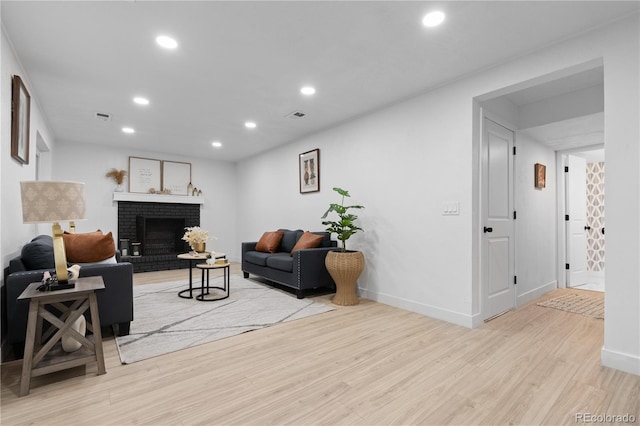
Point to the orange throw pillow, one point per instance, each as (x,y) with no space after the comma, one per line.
(307,241)
(89,247)
(269,242)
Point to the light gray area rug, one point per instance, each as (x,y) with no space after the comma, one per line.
(165,323)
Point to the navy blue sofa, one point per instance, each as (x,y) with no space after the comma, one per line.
(115,303)
(304,270)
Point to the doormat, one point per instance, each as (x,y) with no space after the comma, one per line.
(588,303)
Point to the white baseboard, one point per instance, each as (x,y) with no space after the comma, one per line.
(628,363)
(453,317)
(530,295)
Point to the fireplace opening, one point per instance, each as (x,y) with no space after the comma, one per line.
(161,235)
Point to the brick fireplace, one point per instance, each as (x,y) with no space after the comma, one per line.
(158,228)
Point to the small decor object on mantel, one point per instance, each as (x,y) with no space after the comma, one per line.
(118,176)
(196,237)
(344,266)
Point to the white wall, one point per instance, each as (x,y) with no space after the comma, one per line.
(536,230)
(392,163)
(89,163)
(14,232)
(622,141)
(406,161)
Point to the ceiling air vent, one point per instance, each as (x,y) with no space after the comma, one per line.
(296,115)
(103,116)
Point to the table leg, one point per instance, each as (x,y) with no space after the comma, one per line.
(97,333)
(190,289)
(27,360)
(190,279)
(202,284)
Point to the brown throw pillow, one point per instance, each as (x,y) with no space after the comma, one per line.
(306,241)
(89,247)
(269,242)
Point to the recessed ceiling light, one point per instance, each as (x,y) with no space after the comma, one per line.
(166,42)
(141,101)
(216,144)
(250,125)
(128,130)
(308,90)
(433,19)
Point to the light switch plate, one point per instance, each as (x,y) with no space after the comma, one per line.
(451,209)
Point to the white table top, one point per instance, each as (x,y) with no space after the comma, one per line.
(201,256)
(212,265)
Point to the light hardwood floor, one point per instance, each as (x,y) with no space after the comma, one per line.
(370,364)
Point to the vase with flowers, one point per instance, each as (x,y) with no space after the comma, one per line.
(196,237)
(118,176)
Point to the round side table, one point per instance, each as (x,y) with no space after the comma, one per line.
(195,257)
(226,273)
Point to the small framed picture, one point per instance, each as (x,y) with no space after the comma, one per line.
(21,108)
(309,171)
(540,175)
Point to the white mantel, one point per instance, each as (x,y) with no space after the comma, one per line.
(156,198)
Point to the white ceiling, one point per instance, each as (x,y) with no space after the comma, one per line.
(239,61)
(578,132)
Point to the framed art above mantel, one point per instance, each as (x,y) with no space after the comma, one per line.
(176,177)
(144,174)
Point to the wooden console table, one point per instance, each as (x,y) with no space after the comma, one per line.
(51,357)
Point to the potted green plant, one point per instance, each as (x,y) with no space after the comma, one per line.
(344,266)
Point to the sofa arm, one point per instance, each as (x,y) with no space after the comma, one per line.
(115,303)
(250,246)
(310,267)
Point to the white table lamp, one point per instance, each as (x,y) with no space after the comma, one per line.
(51,201)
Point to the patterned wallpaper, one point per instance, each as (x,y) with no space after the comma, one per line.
(595,216)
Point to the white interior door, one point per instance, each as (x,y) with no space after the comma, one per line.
(498,261)
(576,190)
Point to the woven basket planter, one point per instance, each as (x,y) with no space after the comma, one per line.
(345,268)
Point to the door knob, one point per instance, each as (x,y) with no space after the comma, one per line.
(486,229)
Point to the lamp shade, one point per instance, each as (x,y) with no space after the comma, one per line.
(52,201)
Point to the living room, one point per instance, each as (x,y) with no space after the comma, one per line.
(403,161)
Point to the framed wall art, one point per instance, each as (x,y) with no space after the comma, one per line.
(540,175)
(176,176)
(20,111)
(309,171)
(144,174)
